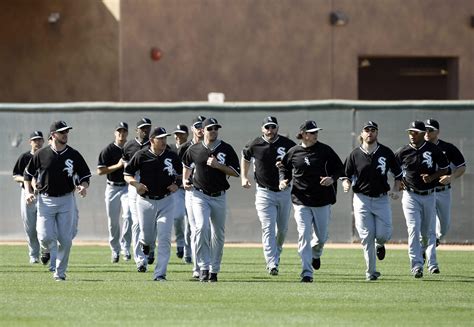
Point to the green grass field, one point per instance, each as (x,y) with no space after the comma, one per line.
(99,293)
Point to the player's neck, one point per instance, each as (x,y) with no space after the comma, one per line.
(58,147)
(369,147)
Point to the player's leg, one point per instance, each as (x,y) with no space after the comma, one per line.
(147,211)
(126,238)
(283,216)
(164,226)
(443,213)
(383,220)
(322,215)
(201,212)
(46,227)
(179,227)
(192,227)
(265,203)
(28,216)
(304,218)
(138,255)
(112,208)
(428,231)
(218,218)
(64,224)
(365,225)
(412,211)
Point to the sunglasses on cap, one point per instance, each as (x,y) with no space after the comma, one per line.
(212,128)
(270,126)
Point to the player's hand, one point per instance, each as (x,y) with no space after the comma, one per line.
(120,163)
(188,186)
(212,161)
(283,185)
(326,181)
(141,188)
(173,188)
(426,178)
(246,183)
(445,179)
(278,164)
(30,198)
(346,185)
(394,195)
(81,190)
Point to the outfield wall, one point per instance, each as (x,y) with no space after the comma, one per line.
(93,126)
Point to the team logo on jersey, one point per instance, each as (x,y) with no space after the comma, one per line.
(221,158)
(382,165)
(169,167)
(281,153)
(428,159)
(306,161)
(69,167)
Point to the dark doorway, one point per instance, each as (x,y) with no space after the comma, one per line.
(408,78)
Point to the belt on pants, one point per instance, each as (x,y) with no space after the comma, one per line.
(442,188)
(116,183)
(156,197)
(214,195)
(268,189)
(55,195)
(376,196)
(426,192)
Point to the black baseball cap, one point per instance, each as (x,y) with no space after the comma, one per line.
(432,123)
(417,126)
(309,126)
(143,122)
(59,126)
(370,124)
(181,128)
(122,125)
(269,121)
(198,120)
(210,122)
(159,132)
(36,135)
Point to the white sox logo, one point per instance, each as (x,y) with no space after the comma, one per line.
(382,165)
(169,167)
(281,153)
(221,158)
(306,161)
(69,167)
(428,160)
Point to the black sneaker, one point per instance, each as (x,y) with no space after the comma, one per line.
(381,252)
(204,276)
(115,258)
(437,242)
(316,263)
(141,268)
(45,258)
(180,252)
(435,270)
(128,257)
(418,273)
(213,278)
(188,260)
(371,278)
(273,272)
(151,258)
(160,279)
(307,279)
(145,249)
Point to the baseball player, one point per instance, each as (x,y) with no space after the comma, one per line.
(55,167)
(159,169)
(110,163)
(129,149)
(181,136)
(423,164)
(366,170)
(273,206)
(190,224)
(213,161)
(314,168)
(443,188)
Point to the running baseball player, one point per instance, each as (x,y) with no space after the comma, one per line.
(213,161)
(443,189)
(110,163)
(181,136)
(423,164)
(314,168)
(366,169)
(190,224)
(55,167)
(159,170)
(129,149)
(273,206)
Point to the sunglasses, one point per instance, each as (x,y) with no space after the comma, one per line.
(212,128)
(270,126)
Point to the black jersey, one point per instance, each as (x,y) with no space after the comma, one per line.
(184,147)
(21,163)
(427,159)
(306,166)
(452,153)
(266,154)
(209,179)
(111,155)
(368,171)
(157,172)
(58,172)
(131,147)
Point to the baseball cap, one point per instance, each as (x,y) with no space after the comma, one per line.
(59,126)
(198,121)
(309,126)
(36,135)
(122,125)
(269,121)
(417,126)
(210,122)
(432,123)
(143,122)
(370,124)
(159,132)
(181,128)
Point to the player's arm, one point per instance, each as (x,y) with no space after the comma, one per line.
(245,167)
(285,171)
(18,178)
(457,172)
(212,161)
(104,170)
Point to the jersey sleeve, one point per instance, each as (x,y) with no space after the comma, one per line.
(349,169)
(233,161)
(83,172)
(455,156)
(188,158)
(394,165)
(285,169)
(336,168)
(133,165)
(31,168)
(18,170)
(247,153)
(440,158)
(102,161)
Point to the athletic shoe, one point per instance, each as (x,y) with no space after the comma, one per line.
(307,279)
(204,276)
(273,272)
(316,263)
(141,268)
(151,258)
(381,252)
(434,270)
(127,257)
(418,273)
(371,278)
(45,258)
(115,258)
(145,248)
(52,269)
(160,279)
(377,274)
(180,252)
(34,260)
(213,278)
(188,260)
(60,279)
(195,274)
(437,242)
